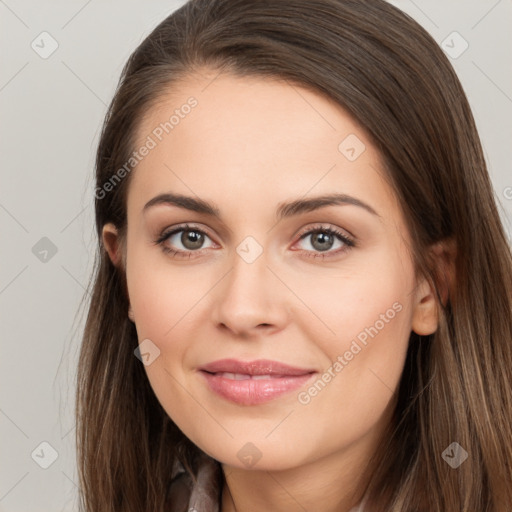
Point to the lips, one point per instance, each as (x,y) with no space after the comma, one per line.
(253,382)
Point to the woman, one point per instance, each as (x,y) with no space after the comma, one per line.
(302,298)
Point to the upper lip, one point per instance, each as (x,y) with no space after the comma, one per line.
(257,367)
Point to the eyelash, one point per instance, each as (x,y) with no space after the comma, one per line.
(348,241)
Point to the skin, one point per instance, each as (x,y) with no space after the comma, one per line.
(250,144)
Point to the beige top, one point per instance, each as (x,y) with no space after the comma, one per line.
(202,493)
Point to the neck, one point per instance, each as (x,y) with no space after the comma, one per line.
(329,484)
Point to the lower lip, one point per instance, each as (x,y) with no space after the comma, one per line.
(253,392)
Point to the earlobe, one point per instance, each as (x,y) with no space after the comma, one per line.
(130,314)
(111,243)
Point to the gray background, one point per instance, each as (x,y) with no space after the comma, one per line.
(51,112)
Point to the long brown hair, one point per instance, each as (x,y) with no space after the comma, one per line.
(391,76)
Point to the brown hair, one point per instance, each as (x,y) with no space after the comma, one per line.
(391,76)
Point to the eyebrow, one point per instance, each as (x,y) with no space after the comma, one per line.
(284,210)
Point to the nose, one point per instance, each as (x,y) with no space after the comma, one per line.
(250,300)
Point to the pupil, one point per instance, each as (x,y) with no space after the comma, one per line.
(192,239)
(322,238)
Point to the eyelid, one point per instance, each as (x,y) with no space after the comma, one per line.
(166,233)
(319,226)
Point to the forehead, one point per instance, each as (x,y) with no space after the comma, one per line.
(256,139)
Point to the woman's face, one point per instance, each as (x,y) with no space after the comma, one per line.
(258,275)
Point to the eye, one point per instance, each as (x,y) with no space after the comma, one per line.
(322,239)
(190,238)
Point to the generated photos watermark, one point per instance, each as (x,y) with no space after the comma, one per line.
(357,344)
(151,142)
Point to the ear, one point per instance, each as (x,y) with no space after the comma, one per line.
(444,256)
(111,242)
(426,302)
(425,315)
(113,246)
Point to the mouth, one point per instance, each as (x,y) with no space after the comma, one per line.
(254,368)
(243,376)
(253,382)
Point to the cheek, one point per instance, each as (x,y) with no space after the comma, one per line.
(368,298)
(363,326)
(162,295)
(163,299)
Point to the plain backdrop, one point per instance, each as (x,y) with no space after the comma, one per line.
(51,109)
